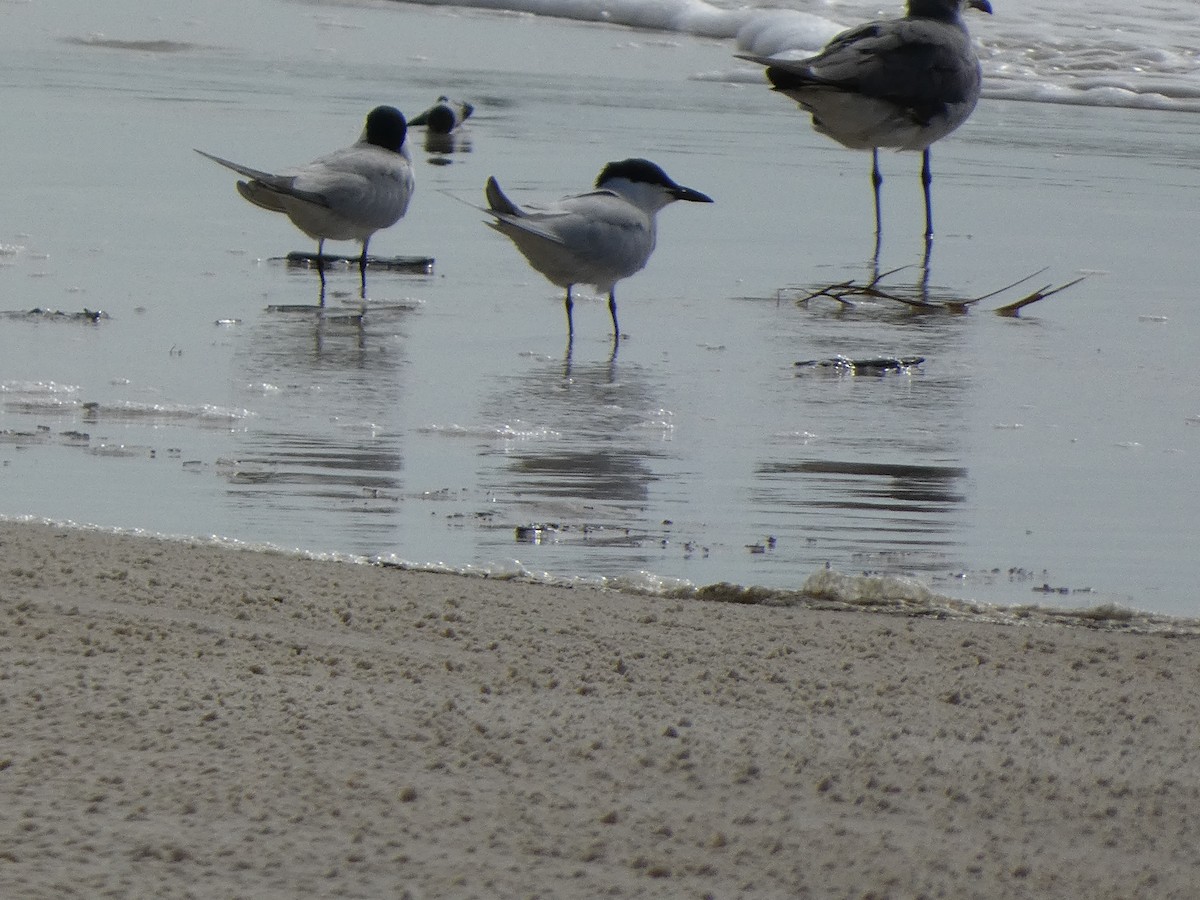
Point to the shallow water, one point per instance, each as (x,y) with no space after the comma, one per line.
(1057,449)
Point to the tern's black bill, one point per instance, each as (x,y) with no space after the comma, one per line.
(686,193)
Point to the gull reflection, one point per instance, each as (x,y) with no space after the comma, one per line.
(875,476)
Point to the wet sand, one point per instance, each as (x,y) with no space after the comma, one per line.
(204,721)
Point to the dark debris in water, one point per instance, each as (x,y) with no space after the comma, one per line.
(923,298)
(888,595)
(150,46)
(37,314)
(605,536)
(844,365)
(42,435)
(554,532)
(1046,588)
(417,265)
(533,534)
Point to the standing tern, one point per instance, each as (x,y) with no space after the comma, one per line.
(902,83)
(596,238)
(346,195)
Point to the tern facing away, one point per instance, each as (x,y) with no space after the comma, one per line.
(596,238)
(902,83)
(444,116)
(346,195)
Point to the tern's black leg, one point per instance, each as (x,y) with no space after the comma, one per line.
(876,184)
(926,181)
(612,308)
(570,305)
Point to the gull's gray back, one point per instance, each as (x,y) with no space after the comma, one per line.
(919,63)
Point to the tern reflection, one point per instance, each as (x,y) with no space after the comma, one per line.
(321,456)
(609,434)
(442,147)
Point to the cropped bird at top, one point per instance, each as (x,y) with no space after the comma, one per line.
(346,195)
(901,83)
(596,238)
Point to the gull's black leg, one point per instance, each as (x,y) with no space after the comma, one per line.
(362,268)
(876,184)
(612,308)
(926,181)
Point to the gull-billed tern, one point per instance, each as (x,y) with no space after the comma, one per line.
(346,195)
(596,238)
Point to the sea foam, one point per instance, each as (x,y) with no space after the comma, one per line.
(1041,51)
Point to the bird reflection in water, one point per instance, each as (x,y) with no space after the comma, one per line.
(602,462)
(442,147)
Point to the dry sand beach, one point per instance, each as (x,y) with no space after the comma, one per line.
(202,721)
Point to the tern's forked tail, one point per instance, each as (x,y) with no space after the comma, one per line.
(497,201)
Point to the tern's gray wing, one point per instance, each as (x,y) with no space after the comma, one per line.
(594,238)
(602,229)
(605,209)
(262,186)
(369,184)
(529,225)
(588,223)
